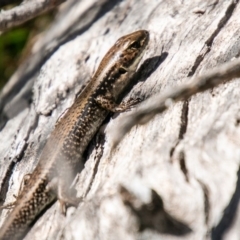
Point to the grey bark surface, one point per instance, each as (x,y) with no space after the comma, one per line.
(176,177)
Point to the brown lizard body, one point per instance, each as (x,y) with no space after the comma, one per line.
(61,157)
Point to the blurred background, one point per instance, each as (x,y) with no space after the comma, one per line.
(16,43)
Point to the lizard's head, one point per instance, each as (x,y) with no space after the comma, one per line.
(130,49)
(121,61)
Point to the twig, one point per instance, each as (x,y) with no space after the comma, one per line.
(26,11)
(159,103)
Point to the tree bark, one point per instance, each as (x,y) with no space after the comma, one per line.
(176,177)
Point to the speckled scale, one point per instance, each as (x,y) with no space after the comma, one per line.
(62,153)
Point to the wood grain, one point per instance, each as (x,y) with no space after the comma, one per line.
(177,177)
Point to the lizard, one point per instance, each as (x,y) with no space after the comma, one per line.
(60,160)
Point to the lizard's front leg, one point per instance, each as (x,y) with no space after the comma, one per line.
(108,102)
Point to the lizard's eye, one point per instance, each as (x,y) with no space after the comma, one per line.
(135,45)
(122,70)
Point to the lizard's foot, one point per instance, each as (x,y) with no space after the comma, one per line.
(67,202)
(67,197)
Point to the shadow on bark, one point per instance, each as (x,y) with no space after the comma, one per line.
(228,215)
(153,215)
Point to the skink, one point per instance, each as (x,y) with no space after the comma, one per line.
(61,157)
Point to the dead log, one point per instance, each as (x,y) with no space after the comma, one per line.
(176,177)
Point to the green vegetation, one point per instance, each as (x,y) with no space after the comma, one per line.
(16,44)
(11,45)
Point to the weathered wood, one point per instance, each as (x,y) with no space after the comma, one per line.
(177,177)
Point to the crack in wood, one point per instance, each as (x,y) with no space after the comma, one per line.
(5,183)
(205,200)
(183,165)
(210,40)
(199,59)
(184,120)
(183,127)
